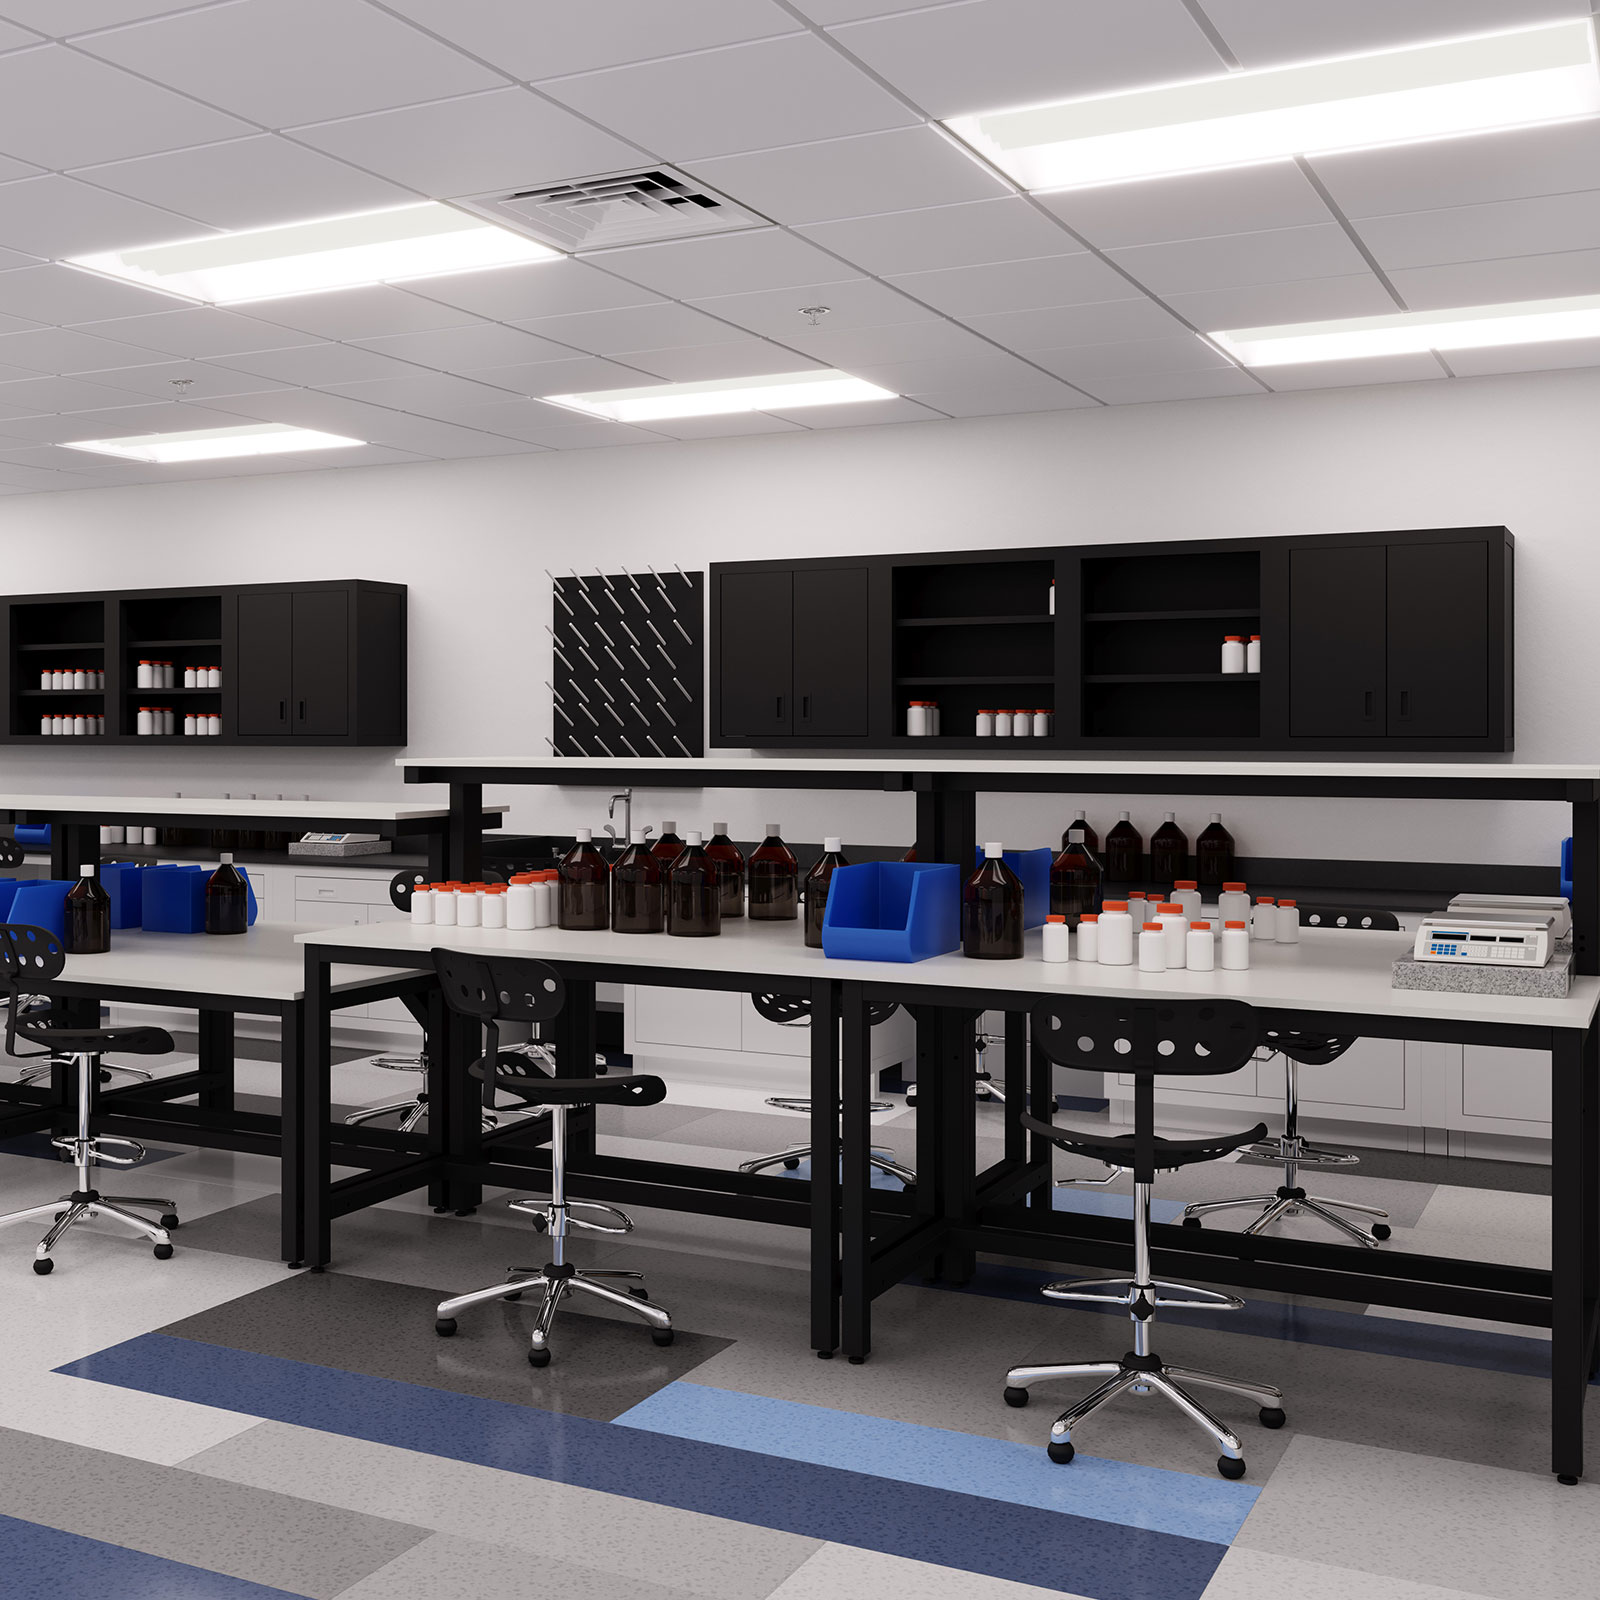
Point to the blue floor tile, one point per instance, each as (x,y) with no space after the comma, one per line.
(1107,1203)
(42,1563)
(1022,1474)
(1050,1549)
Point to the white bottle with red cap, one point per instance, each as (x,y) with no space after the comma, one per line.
(1152,948)
(1252,654)
(1233,653)
(1116,935)
(1089,936)
(422,904)
(1056,939)
(1186,893)
(1288,922)
(1264,919)
(1202,948)
(1235,946)
(1176,927)
(1233,904)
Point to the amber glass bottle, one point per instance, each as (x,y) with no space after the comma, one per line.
(991,910)
(638,889)
(730,870)
(1075,877)
(694,895)
(88,915)
(1125,852)
(1214,854)
(1169,852)
(665,848)
(817,881)
(227,899)
(1088,838)
(583,891)
(774,878)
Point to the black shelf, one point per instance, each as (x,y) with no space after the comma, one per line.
(179,690)
(76,644)
(1172,677)
(1001,681)
(57,694)
(168,644)
(975,622)
(1171,616)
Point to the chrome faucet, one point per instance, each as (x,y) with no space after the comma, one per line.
(626,797)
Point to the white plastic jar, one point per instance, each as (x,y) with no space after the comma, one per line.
(55,679)
(79,726)
(188,724)
(1235,946)
(1176,927)
(1041,723)
(1089,936)
(45,678)
(544,905)
(80,679)
(1233,904)
(213,723)
(1288,923)
(494,906)
(145,678)
(444,905)
(1202,948)
(1116,935)
(1002,724)
(213,677)
(1021,724)
(1264,919)
(520,897)
(1233,653)
(146,722)
(44,723)
(1152,948)
(1252,654)
(1056,939)
(984,728)
(188,678)
(917,720)
(422,904)
(1140,909)
(469,906)
(1186,893)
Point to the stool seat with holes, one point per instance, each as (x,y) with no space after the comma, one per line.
(1191,1039)
(492,991)
(31,955)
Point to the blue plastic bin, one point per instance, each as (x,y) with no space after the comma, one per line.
(893,911)
(122,881)
(41,903)
(33,834)
(1033,867)
(173,899)
(1566,869)
(8,889)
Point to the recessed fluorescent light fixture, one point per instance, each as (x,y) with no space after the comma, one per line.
(1430,91)
(1409,332)
(427,240)
(215,444)
(716,397)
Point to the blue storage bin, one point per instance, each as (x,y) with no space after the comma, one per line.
(173,899)
(8,890)
(122,881)
(1033,867)
(34,834)
(41,903)
(893,911)
(1566,869)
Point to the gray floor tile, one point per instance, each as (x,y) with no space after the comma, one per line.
(842,1572)
(633,1539)
(284,1541)
(1255,1575)
(448,1568)
(602,1366)
(1509,1176)
(754,1130)
(647,1122)
(1484,1529)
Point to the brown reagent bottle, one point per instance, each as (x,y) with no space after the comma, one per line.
(991,910)
(638,889)
(88,915)
(227,899)
(774,878)
(693,893)
(583,892)
(730,869)
(817,881)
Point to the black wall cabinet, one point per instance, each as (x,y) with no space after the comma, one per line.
(1370,641)
(301,664)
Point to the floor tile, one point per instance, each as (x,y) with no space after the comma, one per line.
(1485,1529)
(633,1539)
(1488,1215)
(842,1572)
(1519,1177)
(1256,1575)
(1441,1319)
(282,1541)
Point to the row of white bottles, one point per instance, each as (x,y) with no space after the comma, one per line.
(128,833)
(200,678)
(1015,724)
(1171,941)
(201,724)
(1275,921)
(71,678)
(74,722)
(1238,655)
(922,719)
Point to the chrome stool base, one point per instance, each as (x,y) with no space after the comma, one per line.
(881,1158)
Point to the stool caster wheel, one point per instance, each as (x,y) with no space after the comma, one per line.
(1381,1230)
(538,1358)
(465,1211)
(170,1220)
(790,1165)
(444,1327)
(516,1294)
(1061,1453)
(44,1266)
(439,1211)
(1229,1468)
(1273,1417)
(540,1224)
(640,1294)
(1016,1397)
(907,1188)
(662,1336)
(1191,1222)
(162,1252)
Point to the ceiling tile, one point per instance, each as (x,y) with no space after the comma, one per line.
(1174,386)
(1266,33)
(1196,206)
(431,394)
(1352,374)
(469,349)
(32,397)
(16,374)
(1463,172)
(1264,305)
(248,183)
(988,55)
(743,358)
(63,294)
(965,235)
(61,19)
(502,139)
(10,169)
(16,325)
(538,423)
(55,217)
(864,413)
(653,327)
(1536,226)
(744,97)
(601,436)
(368,313)
(125,420)
(581,375)
(110,114)
(1479,283)
(724,427)
(58,351)
(1550,357)
(1086,364)
(730,263)
(320,364)
(198,331)
(899,341)
(284,62)
(780,314)
(830,11)
(541,289)
(15,38)
(968,401)
(598,33)
(1056,327)
(1063,280)
(1242,258)
(896,171)
(983,367)
(202,381)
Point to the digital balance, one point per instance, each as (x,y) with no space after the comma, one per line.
(1485,940)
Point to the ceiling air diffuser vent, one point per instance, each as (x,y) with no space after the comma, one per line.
(619,208)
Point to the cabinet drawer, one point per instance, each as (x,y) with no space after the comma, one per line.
(1372,1072)
(327,914)
(1232,1083)
(687,1017)
(1512,1085)
(343,890)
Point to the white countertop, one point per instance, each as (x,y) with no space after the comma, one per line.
(265,963)
(118,805)
(1341,970)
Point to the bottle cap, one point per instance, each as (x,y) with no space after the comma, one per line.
(584,836)
(1203,927)
(719,827)
(1216,816)
(1255,638)
(1122,816)
(832,846)
(1233,638)
(227,858)
(1153,927)
(636,836)
(86,870)
(1138,894)
(985,712)
(1185,883)
(494,888)
(1290,903)
(1233,888)
(1166,908)
(1080,816)
(1234,924)
(668,827)
(773,830)
(1089,916)
(1170,816)
(1054,918)
(1115,905)
(1264,900)
(992,851)
(693,837)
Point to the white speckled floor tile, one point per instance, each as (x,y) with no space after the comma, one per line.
(842,1572)
(1442,1319)
(1255,1575)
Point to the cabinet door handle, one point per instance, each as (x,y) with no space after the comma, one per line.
(1405,702)
(805,708)
(1370,699)
(283,711)
(302,711)
(778,707)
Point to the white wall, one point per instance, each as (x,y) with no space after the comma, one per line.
(472,538)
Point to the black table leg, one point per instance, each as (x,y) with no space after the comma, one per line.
(216,1057)
(1041,1103)
(955,1049)
(293,1174)
(825,1111)
(434,1019)
(1016,1085)
(315,1074)
(855,1180)
(460,1044)
(574,1041)
(464,837)
(1585,882)
(1572,1234)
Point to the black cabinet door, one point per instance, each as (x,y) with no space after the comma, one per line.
(266,665)
(322,663)
(1338,641)
(756,627)
(1439,641)
(830,651)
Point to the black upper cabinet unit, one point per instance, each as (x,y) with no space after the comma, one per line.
(1386,641)
(300,663)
